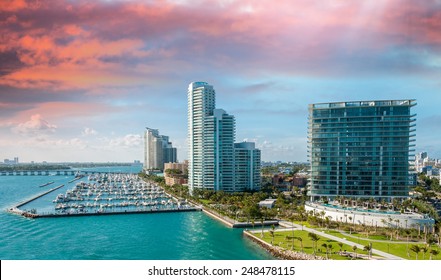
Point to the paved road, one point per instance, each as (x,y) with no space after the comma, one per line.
(289,225)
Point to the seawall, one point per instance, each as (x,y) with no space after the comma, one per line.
(279,252)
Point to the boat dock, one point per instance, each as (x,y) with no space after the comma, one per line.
(108,194)
(151,211)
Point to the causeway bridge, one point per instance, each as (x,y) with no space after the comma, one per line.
(56,173)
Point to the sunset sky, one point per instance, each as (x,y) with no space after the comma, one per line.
(80,81)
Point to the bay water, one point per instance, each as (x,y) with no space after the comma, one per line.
(158,236)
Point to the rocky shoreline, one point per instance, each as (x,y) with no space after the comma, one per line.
(279,252)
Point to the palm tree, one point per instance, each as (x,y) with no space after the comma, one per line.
(419,229)
(330,248)
(354,248)
(301,241)
(340,244)
(261,220)
(433,252)
(368,249)
(271,232)
(329,221)
(314,238)
(350,228)
(324,245)
(322,216)
(390,226)
(424,250)
(292,219)
(416,249)
(397,221)
(290,238)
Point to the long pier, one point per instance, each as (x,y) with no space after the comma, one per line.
(151,211)
(38,196)
(16,209)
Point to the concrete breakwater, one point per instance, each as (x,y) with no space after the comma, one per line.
(233,223)
(38,196)
(279,252)
(15,209)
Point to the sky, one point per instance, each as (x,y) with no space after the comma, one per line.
(80,80)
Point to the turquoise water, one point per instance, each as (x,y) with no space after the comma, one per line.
(165,236)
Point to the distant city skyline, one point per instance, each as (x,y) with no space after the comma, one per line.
(77,83)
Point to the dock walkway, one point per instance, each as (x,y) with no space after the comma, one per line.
(38,196)
(15,209)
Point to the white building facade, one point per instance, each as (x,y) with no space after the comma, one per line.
(212,152)
(201,103)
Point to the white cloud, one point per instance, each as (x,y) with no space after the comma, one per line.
(89,131)
(128,141)
(35,126)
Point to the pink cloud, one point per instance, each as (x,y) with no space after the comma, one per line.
(89,46)
(35,126)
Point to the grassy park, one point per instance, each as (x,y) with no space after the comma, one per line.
(318,245)
(302,242)
(406,250)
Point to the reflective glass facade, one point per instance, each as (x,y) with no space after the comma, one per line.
(360,149)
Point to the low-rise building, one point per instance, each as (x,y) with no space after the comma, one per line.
(268,203)
(176,173)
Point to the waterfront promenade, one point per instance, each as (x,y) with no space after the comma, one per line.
(288,226)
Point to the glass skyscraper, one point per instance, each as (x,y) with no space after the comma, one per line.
(361,149)
(247,166)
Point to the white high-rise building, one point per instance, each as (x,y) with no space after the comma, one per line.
(211,134)
(218,151)
(157,150)
(201,103)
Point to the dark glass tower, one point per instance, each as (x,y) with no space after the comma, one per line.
(360,149)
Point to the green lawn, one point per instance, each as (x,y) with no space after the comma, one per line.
(398,249)
(280,240)
(205,201)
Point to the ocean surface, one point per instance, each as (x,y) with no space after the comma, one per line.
(159,236)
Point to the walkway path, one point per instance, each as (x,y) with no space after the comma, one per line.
(344,241)
(381,241)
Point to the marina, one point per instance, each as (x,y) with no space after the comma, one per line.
(170,235)
(106,194)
